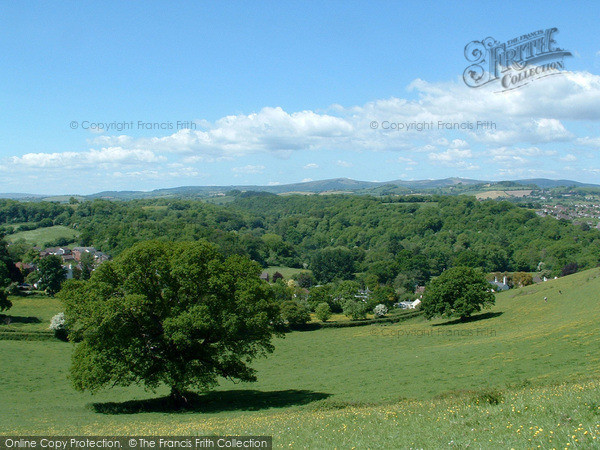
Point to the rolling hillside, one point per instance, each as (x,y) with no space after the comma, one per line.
(528,365)
(319,186)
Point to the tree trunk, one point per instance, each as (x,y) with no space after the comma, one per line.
(177,397)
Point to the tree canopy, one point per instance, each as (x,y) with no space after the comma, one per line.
(52,274)
(178,314)
(412,237)
(332,263)
(458,292)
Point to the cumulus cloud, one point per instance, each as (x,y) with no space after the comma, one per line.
(532,115)
(249,169)
(545,113)
(311,166)
(459,143)
(402,159)
(531,131)
(91,158)
(450,155)
(454,157)
(508,156)
(569,157)
(589,141)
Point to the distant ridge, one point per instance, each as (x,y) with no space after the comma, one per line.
(317,187)
(545,183)
(20,196)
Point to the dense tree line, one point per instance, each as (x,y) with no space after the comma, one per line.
(391,240)
(12,211)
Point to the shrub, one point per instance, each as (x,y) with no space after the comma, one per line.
(13,289)
(380,310)
(277,276)
(569,269)
(58,324)
(323,312)
(304,280)
(355,310)
(294,313)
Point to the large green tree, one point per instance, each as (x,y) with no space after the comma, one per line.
(457,292)
(329,264)
(5,303)
(87,265)
(52,274)
(8,274)
(178,314)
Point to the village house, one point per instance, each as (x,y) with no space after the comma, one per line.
(264,276)
(408,304)
(500,285)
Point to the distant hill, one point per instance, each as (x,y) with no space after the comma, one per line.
(432,184)
(21,196)
(545,183)
(317,187)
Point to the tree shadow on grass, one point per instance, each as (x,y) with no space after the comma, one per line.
(213,402)
(478,317)
(7,320)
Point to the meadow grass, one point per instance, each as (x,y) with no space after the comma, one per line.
(524,374)
(43,236)
(287,272)
(30,313)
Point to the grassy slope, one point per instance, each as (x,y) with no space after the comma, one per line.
(42,236)
(31,313)
(287,272)
(313,373)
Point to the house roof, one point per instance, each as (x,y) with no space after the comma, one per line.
(500,285)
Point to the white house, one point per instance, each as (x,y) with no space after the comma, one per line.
(409,305)
(500,285)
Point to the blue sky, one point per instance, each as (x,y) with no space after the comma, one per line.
(282,92)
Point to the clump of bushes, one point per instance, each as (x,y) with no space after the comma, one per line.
(380,310)
(294,313)
(323,312)
(355,310)
(58,324)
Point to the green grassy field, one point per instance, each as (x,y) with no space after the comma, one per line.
(42,236)
(30,313)
(287,272)
(524,374)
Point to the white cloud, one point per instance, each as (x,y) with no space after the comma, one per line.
(271,129)
(530,131)
(402,159)
(589,141)
(545,113)
(533,114)
(249,169)
(454,158)
(306,180)
(450,155)
(569,157)
(459,143)
(91,158)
